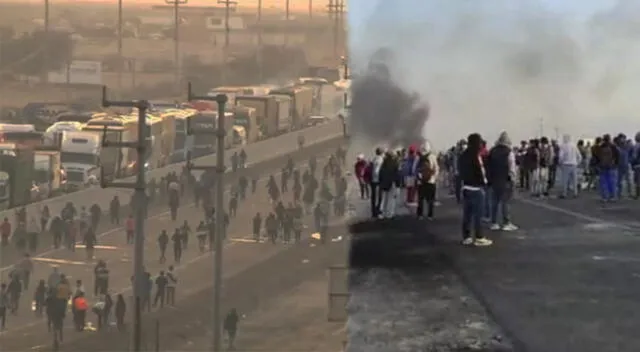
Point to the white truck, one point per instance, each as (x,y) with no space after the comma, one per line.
(80,157)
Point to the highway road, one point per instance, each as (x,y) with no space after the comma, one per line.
(195,270)
(568,280)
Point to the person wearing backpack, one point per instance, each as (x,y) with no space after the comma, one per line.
(607,159)
(427,170)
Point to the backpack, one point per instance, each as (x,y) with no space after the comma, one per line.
(605,156)
(427,170)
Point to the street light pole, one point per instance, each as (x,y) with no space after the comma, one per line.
(220,133)
(287,14)
(140,202)
(259,56)
(227,31)
(176,36)
(46,44)
(120,59)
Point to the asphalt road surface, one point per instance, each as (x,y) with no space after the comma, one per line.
(568,280)
(26,332)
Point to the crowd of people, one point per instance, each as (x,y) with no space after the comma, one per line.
(484,178)
(300,192)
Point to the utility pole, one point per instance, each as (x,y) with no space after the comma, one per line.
(220,133)
(140,202)
(260,44)
(287,14)
(227,31)
(46,44)
(120,58)
(335,9)
(176,36)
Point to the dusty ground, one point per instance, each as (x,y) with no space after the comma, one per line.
(302,310)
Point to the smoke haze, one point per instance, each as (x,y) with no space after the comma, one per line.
(527,67)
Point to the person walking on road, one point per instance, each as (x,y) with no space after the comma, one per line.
(5,232)
(130,227)
(172,281)
(101,278)
(163,241)
(257,225)
(39,298)
(161,289)
(120,311)
(15,291)
(25,268)
(4,304)
(177,246)
(90,241)
(231,327)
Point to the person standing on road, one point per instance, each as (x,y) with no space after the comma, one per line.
(101,278)
(130,227)
(569,157)
(4,303)
(501,174)
(474,182)
(185,231)
(163,241)
(257,226)
(45,215)
(25,268)
(39,298)
(161,289)
(426,174)
(90,241)
(177,246)
(201,233)
(172,282)
(114,210)
(607,159)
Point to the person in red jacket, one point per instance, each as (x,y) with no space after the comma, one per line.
(360,169)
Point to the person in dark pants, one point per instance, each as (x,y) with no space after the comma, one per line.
(373,174)
(177,245)
(427,175)
(161,289)
(4,303)
(231,326)
(474,182)
(501,174)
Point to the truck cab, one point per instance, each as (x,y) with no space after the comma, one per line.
(80,158)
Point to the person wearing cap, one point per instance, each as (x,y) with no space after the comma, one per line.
(474,182)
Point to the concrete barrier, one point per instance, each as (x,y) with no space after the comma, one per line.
(256,152)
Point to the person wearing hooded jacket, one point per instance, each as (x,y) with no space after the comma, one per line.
(501,172)
(427,175)
(474,182)
(569,157)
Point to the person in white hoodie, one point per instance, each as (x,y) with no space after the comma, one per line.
(427,174)
(569,158)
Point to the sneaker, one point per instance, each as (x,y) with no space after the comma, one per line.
(495,227)
(509,227)
(482,242)
(467,241)
(430,218)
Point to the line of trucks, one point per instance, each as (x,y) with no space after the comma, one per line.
(62,153)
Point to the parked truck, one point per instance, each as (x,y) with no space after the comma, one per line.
(266,112)
(47,172)
(245,117)
(16,175)
(283,103)
(301,103)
